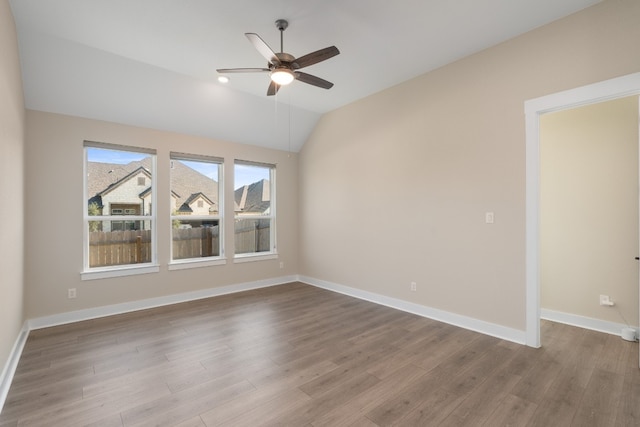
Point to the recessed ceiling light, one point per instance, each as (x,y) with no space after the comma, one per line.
(223,79)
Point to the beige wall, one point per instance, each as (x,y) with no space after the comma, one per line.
(394,188)
(589,210)
(12,117)
(54,208)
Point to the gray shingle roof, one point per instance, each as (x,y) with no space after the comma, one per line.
(254,198)
(186,182)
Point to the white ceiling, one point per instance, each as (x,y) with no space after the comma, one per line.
(152,63)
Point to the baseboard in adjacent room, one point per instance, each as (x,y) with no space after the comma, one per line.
(598,325)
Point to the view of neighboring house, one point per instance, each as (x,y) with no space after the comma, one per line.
(254,199)
(125,189)
(192,193)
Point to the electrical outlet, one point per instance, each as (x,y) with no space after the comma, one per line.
(71,293)
(281,264)
(413,286)
(489,217)
(606,301)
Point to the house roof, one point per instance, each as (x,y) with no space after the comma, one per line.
(101,176)
(186,183)
(186,206)
(196,196)
(254,198)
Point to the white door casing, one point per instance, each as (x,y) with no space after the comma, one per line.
(598,92)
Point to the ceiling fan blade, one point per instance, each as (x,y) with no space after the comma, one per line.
(263,48)
(313,80)
(273,88)
(242,70)
(315,57)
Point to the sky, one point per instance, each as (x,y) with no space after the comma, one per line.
(244,175)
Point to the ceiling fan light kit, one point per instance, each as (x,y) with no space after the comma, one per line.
(283,67)
(282,76)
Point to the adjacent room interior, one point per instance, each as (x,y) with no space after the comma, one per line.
(588,171)
(393,204)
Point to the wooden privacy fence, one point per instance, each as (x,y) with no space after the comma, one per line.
(107,248)
(252,235)
(196,242)
(119,247)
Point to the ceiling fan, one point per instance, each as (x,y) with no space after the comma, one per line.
(283,67)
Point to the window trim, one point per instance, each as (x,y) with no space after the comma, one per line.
(120,271)
(90,273)
(273,252)
(254,256)
(186,263)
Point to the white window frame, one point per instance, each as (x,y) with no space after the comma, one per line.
(180,264)
(273,252)
(90,273)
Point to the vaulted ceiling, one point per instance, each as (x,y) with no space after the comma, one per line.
(153,63)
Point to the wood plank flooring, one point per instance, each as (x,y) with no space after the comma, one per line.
(297,355)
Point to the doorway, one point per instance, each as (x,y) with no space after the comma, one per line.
(608,90)
(589,215)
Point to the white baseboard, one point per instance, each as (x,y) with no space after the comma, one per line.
(9,369)
(465,322)
(126,307)
(598,325)
(93,313)
(476,325)
(487,328)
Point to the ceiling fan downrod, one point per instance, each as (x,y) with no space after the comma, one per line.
(282,25)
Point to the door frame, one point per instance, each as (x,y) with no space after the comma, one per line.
(607,90)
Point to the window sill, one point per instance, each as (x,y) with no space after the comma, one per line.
(196,263)
(107,272)
(259,256)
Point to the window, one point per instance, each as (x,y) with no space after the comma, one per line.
(196,211)
(113,174)
(254,224)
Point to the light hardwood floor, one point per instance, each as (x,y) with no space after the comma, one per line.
(297,355)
